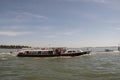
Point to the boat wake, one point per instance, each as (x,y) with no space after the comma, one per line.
(7,54)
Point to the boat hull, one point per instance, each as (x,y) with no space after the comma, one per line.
(54,55)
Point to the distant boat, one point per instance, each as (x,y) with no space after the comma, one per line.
(50,53)
(108,50)
(119,48)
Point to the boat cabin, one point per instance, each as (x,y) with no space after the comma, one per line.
(73,51)
(37,52)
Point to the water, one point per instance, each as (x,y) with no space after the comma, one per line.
(95,66)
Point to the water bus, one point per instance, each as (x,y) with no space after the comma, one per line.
(54,52)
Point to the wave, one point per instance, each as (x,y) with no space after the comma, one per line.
(8,54)
(3,58)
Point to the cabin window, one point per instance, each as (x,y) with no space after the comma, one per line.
(50,52)
(47,52)
(39,52)
(69,51)
(26,52)
(73,51)
(44,52)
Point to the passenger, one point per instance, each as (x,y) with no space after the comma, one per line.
(58,51)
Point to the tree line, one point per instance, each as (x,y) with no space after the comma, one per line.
(13,46)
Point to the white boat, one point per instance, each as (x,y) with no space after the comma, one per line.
(50,52)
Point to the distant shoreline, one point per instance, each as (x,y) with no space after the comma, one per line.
(13,46)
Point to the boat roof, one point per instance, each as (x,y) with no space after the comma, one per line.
(36,50)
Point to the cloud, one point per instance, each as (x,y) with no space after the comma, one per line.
(51,36)
(60,34)
(112,21)
(67,33)
(12,33)
(117,28)
(20,16)
(27,14)
(12,27)
(112,4)
(99,1)
(45,28)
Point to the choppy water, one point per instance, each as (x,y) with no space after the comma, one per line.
(96,66)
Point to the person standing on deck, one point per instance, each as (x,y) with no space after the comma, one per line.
(58,51)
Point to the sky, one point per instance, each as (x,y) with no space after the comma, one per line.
(64,23)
